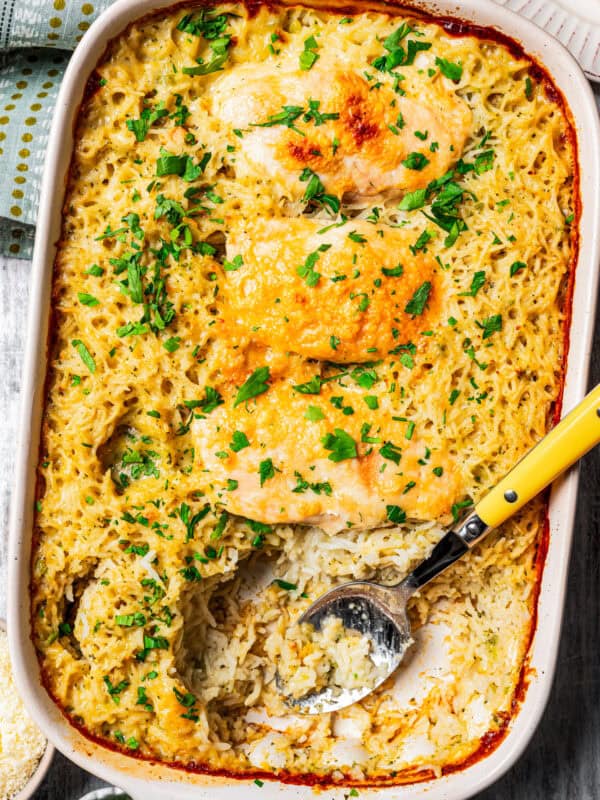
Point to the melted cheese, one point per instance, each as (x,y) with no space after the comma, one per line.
(351,492)
(323,291)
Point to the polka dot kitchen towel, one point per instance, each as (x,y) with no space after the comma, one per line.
(36,39)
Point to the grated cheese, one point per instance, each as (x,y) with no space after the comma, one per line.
(21,742)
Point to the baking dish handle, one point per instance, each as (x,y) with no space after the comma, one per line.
(566,443)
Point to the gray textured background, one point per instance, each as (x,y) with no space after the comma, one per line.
(562,761)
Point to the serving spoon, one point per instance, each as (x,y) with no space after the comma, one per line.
(379,612)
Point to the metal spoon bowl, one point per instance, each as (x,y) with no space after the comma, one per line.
(379,612)
(369,609)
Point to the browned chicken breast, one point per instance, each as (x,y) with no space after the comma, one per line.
(359,139)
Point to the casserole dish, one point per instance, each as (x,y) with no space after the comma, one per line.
(106,763)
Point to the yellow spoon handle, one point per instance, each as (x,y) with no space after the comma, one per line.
(571,439)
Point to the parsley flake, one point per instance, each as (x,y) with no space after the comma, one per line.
(341,445)
(416,305)
(255,385)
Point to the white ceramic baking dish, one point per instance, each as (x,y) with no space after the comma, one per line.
(148,781)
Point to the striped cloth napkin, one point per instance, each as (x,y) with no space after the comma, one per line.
(36,39)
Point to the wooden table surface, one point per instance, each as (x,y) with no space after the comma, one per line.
(562,762)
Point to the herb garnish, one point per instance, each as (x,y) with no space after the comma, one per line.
(416,161)
(148,117)
(190,522)
(315,191)
(239,441)
(476,283)
(85,355)
(212,28)
(266,470)
(517,266)
(307,270)
(87,299)
(395,514)
(391,451)
(183,165)
(115,691)
(416,305)
(234,264)
(396,55)
(255,385)
(290,114)
(490,325)
(449,69)
(309,56)
(393,272)
(341,445)
(313,386)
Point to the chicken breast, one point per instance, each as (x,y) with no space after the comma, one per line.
(347,294)
(378,142)
(287,456)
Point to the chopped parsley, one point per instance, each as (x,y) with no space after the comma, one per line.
(477,282)
(172,344)
(115,691)
(490,325)
(188,701)
(528,88)
(413,200)
(421,243)
(220,526)
(172,210)
(140,127)
(307,270)
(449,69)
(208,403)
(239,441)
(255,385)
(393,272)
(84,354)
(397,55)
(416,161)
(211,27)
(314,414)
(391,452)
(395,514)
(341,445)
(131,620)
(309,56)
(517,266)
(416,305)
(313,386)
(289,114)
(266,470)
(285,585)
(458,507)
(87,299)
(182,165)
(234,264)
(357,237)
(191,520)
(315,191)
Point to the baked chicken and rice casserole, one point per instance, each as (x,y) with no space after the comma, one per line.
(309,305)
